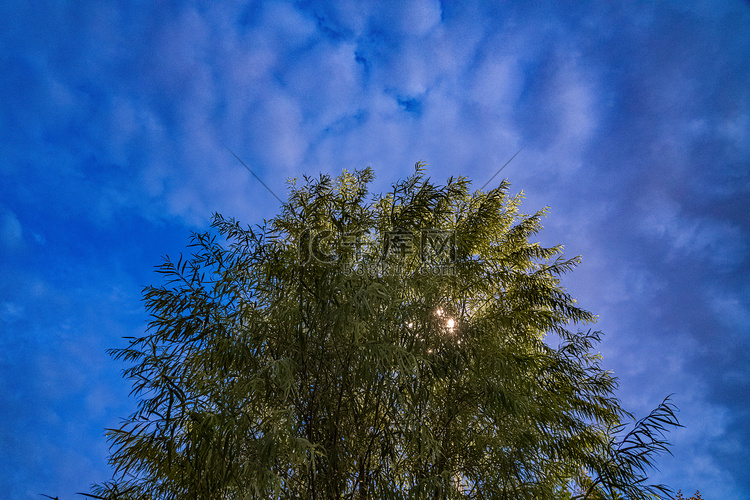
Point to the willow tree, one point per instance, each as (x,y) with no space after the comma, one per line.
(388,347)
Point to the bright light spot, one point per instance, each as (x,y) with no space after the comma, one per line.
(409,324)
(439,311)
(450,324)
(429,350)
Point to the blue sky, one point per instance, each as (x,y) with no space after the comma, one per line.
(633,120)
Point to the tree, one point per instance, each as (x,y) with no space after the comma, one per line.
(396,347)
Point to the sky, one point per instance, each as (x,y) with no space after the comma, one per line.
(116,120)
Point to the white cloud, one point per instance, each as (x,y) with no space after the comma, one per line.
(419,17)
(276,135)
(286,26)
(10,311)
(317,89)
(327,82)
(11,233)
(718,242)
(731,309)
(577,107)
(632,283)
(410,18)
(736,131)
(497,84)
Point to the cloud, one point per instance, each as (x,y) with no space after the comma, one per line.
(720,243)
(11,233)
(54,335)
(368,18)
(633,121)
(10,311)
(732,309)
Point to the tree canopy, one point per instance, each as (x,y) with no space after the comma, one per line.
(399,346)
